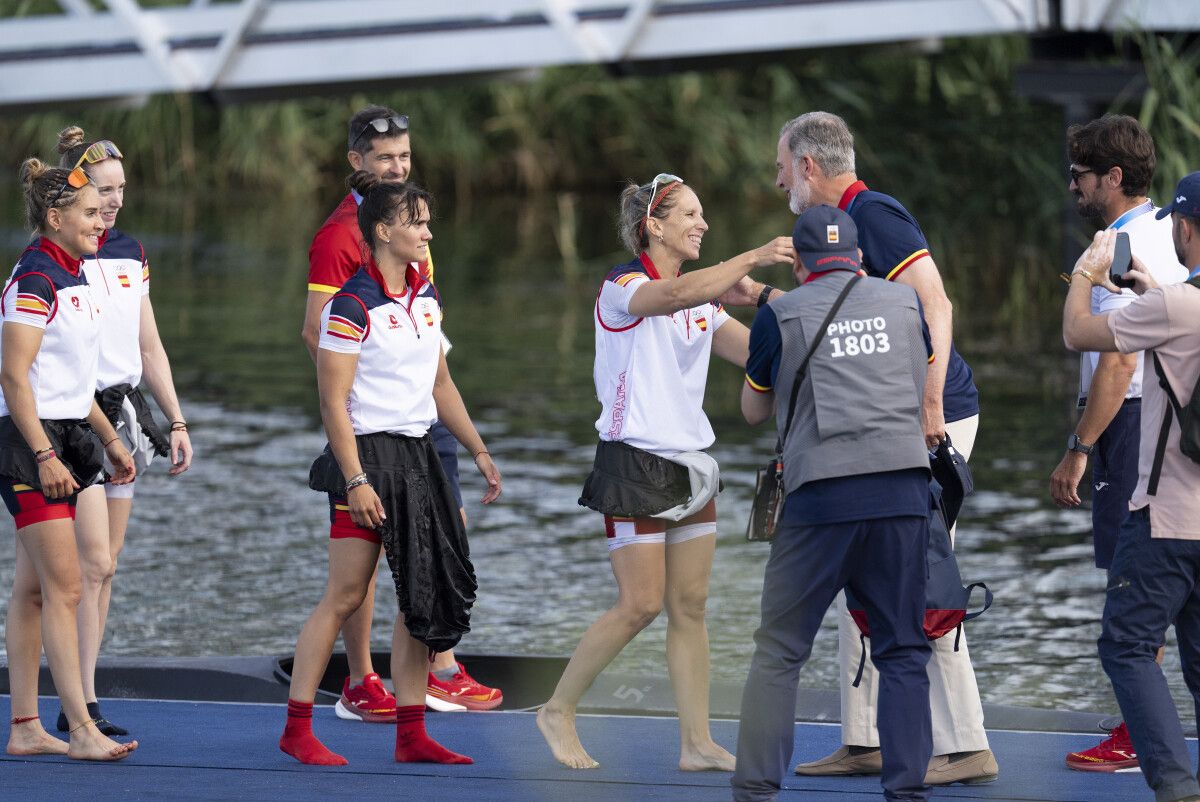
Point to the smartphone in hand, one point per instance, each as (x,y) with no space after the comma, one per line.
(1122,259)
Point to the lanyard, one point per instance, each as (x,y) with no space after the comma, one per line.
(1193,274)
(1132,214)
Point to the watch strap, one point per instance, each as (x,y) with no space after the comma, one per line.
(1075,444)
(765,295)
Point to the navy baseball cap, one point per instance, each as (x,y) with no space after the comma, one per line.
(826,238)
(1187,198)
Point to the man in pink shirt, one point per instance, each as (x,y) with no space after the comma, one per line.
(1154,581)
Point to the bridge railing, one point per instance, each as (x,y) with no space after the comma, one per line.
(262,47)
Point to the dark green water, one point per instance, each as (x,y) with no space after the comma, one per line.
(231,558)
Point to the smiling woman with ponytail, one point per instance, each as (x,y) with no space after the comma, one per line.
(130,351)
(53,441)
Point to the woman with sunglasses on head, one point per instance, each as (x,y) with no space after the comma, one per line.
(383,381)
(49,352)
(130,350)
(655,329)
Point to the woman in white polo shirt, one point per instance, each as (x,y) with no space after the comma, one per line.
(130,350)
(49,425)
(383,381)
(655,329)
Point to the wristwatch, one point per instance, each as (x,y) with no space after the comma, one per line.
(1075,444)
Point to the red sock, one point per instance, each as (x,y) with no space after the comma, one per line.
(298,739)
(413,744)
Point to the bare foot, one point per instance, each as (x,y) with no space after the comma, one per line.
(558,729)
(31,738)
(88,744)
(709,757)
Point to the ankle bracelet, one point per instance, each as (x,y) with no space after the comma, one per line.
(83,724)
(24,719)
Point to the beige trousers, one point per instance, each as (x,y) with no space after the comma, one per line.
(954,702)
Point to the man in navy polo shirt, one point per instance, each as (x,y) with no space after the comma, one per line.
(815,162)
(857,403)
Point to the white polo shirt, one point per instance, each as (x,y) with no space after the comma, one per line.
(1150,242)
(651,372)
(398,341)
(119,276)
(48,290)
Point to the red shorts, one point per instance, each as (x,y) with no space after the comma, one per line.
(622,532)
(28,506)
(341,525)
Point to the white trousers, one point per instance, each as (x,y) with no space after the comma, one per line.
(954,702)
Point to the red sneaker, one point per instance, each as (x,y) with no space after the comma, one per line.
(1112,754)
(368,701)
(461,692)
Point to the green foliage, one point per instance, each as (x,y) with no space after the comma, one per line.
(1171,107)
(943,130)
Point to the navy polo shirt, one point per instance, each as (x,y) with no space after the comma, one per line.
(843,498)
(891,241)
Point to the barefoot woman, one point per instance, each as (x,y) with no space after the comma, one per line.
(49,347)
(383,381)
(655,330)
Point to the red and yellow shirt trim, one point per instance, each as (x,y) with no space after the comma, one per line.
(758,388)
(906,263)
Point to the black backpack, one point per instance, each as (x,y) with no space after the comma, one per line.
(1189,420)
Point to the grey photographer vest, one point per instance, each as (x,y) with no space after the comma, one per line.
(859,406)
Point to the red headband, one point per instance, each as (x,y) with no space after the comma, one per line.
(655,202)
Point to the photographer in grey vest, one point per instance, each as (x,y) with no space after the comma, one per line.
(858,407)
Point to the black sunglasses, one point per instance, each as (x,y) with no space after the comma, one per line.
(1077,174)
(383,124)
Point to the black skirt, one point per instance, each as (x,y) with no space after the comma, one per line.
(77,447)
(627,482)
(423,536)
(110,401)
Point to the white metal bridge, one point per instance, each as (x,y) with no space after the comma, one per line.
(231,48)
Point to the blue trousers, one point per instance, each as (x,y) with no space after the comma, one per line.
(1153,583)
(883,562)
(447,449)
(1114,477)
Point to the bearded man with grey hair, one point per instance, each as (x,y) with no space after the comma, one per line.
(815,163)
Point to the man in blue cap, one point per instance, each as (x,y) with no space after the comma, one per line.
(855,375)
(1154,581)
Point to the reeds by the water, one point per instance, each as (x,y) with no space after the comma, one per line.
(980,166)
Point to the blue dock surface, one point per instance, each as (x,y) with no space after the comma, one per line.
(228,751)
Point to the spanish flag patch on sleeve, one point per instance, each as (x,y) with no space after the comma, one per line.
(344,329)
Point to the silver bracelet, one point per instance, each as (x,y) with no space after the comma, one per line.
(357,480)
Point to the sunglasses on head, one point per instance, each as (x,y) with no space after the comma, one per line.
(667,181)
(382,124)
(93,154)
